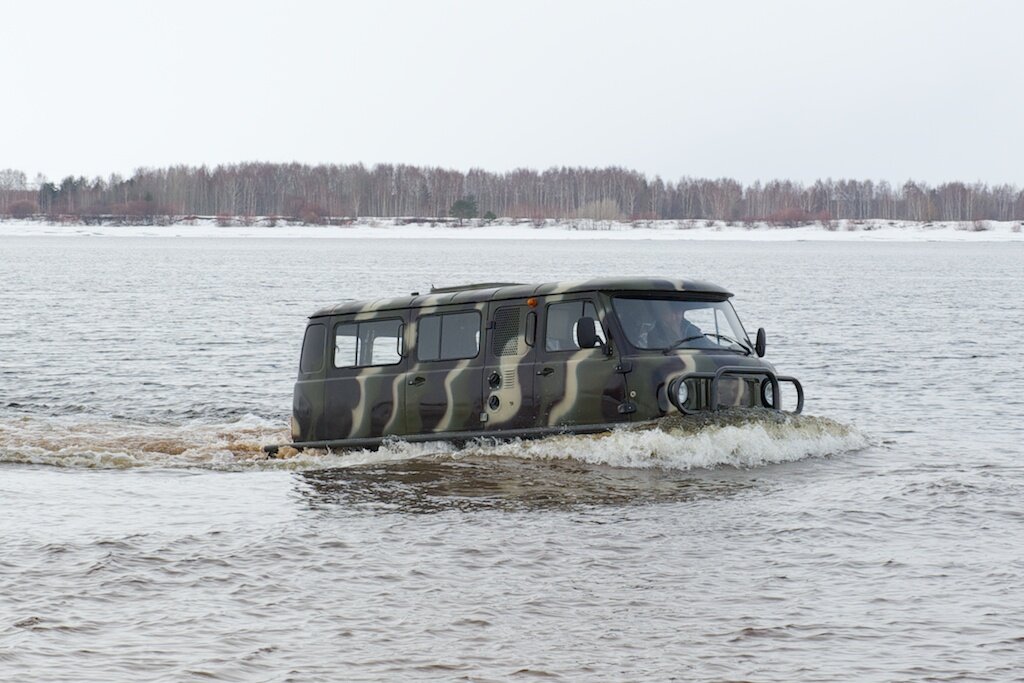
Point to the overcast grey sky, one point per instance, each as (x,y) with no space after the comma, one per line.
(929,90)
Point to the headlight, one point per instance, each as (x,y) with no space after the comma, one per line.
(680,392)
(767,394)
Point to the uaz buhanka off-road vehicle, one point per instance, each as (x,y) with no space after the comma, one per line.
(502,360)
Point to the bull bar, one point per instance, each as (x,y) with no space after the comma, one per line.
(737,370)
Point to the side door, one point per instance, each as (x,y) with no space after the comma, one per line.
(364,392)
(442,385)
(576,385)
(508,372)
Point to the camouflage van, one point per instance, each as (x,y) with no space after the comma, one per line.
(503,360)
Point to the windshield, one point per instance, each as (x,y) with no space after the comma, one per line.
(679,324)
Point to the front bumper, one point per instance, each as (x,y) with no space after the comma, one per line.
(705,388)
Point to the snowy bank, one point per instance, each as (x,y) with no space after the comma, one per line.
(397,228)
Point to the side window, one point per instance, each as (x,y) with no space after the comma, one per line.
(460,335)
(386,338)
(345,343)
(376,342)
(313,348)
(448,336)
(561,324)
(428,338)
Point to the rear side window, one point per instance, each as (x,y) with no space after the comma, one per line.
(561,324)
(313,348)
(361,344)
(448,336)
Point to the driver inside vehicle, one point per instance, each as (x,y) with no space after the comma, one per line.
(670,324)
(672,327)
(676,326)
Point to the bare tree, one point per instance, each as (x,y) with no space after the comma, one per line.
(325,191)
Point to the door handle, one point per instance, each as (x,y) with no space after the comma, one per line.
(545,372)
(416,381)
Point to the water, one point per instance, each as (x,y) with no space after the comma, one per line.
(145,537)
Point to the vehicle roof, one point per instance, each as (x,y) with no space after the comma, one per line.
(493,291)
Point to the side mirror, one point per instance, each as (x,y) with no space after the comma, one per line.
(586,333)
(759,345)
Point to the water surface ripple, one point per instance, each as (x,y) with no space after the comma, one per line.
(145,537)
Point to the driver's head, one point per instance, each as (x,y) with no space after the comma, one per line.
(673,317)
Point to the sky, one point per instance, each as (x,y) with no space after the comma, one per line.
(754,90)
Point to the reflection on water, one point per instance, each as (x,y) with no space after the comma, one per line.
(428,485)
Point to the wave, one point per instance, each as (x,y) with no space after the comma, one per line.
(741,439)
(738,439)
(76,442)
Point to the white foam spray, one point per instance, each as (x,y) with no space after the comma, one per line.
(738,440)
(733,440)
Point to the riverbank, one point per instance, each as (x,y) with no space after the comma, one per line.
(404,228)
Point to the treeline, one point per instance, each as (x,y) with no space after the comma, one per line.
(316,193)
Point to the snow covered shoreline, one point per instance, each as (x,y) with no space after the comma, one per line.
(392,228)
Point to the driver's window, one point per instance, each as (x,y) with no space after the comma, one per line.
(561,324)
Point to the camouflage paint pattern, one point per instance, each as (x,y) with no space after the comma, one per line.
(513,382)
(448,399)
(583,386)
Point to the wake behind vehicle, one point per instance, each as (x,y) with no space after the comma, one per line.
(505,360)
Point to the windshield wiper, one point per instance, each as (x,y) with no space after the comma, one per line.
(679,342)
(676,344)
(746,347)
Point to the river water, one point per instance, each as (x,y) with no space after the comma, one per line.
(143,536)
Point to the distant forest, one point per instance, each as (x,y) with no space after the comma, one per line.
(326,193)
